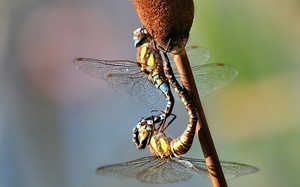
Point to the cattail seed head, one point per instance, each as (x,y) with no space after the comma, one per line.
(168,21)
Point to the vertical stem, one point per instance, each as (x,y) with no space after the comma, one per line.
(204,136)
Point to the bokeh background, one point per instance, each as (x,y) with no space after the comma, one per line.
(57,124)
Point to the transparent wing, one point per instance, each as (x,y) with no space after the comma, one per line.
(123,76)
(197,55)
(231,169)
(150,170)
(128,169)
(167,170)
(210,77)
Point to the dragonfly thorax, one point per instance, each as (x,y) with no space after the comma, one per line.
(148,58)
(160,145)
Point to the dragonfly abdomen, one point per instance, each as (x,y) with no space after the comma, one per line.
(183,143)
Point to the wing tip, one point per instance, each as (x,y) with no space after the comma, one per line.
(76,61)
(253,169)
(99,169)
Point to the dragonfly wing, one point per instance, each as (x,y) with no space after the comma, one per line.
(167,170)
(197,55)
(104,68)
(145,92)
(199,166)
(123,76)
(231,170)
(210,77)
(127,169)
(140,89)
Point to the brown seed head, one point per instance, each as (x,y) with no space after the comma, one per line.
(167,21)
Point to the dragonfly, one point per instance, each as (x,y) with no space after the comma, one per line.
(144,79)
(142,133)
(166,167)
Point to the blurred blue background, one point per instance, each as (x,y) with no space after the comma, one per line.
(57,124)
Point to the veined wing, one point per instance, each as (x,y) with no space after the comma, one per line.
(122,75)
(150,170)
(128,169)
(208,77)
(231,169)
(197,55)
(167,170)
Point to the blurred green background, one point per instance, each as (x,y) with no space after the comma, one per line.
(57,125)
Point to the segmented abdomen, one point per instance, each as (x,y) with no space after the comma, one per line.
(183,143)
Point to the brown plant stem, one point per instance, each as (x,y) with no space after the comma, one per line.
(204,136)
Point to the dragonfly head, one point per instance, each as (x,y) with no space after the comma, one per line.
(142,134)
(139,36)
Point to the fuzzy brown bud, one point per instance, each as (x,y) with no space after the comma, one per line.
(168,21)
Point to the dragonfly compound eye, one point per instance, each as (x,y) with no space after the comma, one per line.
(139,36)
